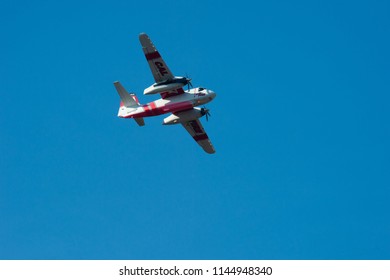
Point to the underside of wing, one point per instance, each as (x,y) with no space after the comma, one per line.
(167,94)
(157,65)
(196,130)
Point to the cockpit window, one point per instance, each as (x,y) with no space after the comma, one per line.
(200,89)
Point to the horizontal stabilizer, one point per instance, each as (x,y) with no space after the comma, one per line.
(140,121)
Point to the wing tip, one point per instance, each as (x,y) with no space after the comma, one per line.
(143,35)
(209,148)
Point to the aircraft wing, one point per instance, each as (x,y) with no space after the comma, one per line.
(157,65)
(159,68)
(196,130)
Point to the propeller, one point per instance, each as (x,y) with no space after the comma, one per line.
(205,111)
(188,80)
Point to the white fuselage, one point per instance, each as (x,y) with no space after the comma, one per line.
(186,101)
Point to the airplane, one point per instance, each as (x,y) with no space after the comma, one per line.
(182,104)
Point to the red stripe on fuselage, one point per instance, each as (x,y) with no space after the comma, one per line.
(152,110)
(146,108)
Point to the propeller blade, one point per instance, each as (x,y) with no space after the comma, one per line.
(206,112)
(189,84)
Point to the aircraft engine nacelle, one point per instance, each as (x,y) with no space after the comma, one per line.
(183,117)
(161,88)
(172,84)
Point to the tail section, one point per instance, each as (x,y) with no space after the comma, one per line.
(129,103)
(127,99)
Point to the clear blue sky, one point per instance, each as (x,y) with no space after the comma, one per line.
(300,124)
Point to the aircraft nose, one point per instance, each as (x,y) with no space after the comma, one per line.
(212,94)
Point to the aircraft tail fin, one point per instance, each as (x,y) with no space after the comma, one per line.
(129,103)
(126,98)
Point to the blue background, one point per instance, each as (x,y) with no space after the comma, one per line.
(300,124)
